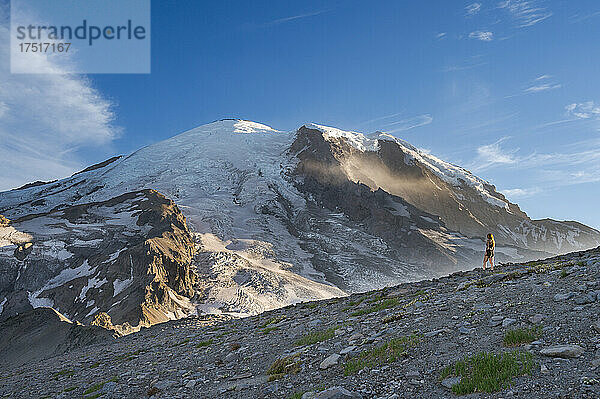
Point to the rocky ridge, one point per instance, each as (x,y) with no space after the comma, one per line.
(398,342)
(129,256)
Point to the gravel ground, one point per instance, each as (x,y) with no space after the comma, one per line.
(446,319)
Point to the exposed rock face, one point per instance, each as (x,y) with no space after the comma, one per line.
(43,333)
(405,205)
(463,202)
(129,256)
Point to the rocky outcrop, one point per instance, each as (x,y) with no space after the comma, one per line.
(129,256)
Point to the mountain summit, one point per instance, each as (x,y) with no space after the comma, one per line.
(237,217)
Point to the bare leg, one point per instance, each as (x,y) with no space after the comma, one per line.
(492,261)
(485,260)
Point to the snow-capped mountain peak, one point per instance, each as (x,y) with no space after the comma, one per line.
(274,218)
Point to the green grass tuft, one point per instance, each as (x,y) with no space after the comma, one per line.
(63,373)
(183,342)
(563,273)
(129,355)
(203,344)
(269,329)
(98,386)
(316,336)
(520,336)
(283,366)
(488,372)
(271,321)
(384,304)
(389,352)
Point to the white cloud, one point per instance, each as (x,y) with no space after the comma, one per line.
(521,192)
(410,123)
(542,87)
(46,119)
(473,9)
(492,155)
(577,163)
(485,36)
(463,67)
(294,18)
(537,85)
(580,18)
(380,118)
(441,35)
(3,109)
(586,110)
(525,12)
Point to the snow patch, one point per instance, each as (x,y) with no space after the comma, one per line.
(357,140)
(242,126)
(91,312)
(39,302)
(69,274)
(92,283)
(120,285)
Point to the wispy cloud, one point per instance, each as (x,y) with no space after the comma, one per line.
(407,124)
(525,12)
(513,193)
(540,84)
(577,163)
(463,67)
(45,119)
(490,155)
(580,18)
(484,36)
(381,118)
(473,8)
(554,123)
(585,110)
(441,35)
(291,18)
(542,87)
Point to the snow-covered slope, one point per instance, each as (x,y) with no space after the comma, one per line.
(281,217)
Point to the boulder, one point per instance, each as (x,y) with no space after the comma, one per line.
(330,361)
(563,351)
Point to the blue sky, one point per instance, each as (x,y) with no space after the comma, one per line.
(506,88)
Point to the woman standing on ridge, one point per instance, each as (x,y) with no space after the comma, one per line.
(490,245)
